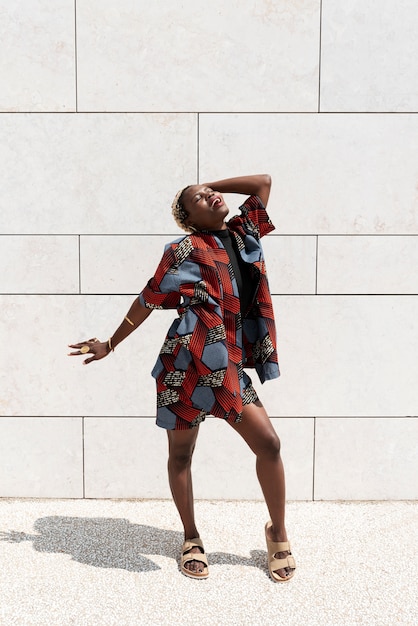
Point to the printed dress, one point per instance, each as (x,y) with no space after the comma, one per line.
(199,370)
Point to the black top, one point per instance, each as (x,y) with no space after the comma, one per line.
(240,268)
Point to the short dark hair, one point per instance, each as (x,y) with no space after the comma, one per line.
(179,212)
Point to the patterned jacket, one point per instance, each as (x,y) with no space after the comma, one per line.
(209,339)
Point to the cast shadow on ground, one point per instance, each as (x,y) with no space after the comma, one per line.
(116,543)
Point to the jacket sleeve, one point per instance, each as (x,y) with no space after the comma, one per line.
(254,218)
(162,290)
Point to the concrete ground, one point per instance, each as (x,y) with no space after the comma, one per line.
(105,562)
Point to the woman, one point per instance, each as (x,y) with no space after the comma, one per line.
(215,277)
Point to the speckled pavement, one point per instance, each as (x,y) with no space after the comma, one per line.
(105,563)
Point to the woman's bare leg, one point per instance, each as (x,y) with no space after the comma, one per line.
(257,430)
(181,445)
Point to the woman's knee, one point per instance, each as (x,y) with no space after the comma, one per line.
(180,453)
(258,432)
(269,446)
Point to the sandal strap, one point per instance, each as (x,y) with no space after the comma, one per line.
(287,561)
(187,556)
(279,546)
(193,543)
(191,556)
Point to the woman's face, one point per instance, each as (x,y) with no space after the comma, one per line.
(205,208)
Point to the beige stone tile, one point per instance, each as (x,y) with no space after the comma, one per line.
(366,458)
(37,377)
(224,466)
(367,56)
(366,265)
(344,356)
(39,264)
(123,264)
(37,72)
(127,458)
(226,56)
(95,174)
(332,174)
(339,356)
(291,264)
(119,264)
(41,457)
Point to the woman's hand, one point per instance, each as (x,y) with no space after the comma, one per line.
(97,349)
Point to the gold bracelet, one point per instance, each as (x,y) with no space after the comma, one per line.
(109,343)
(128,320)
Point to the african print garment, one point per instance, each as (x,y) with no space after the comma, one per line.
(200,366)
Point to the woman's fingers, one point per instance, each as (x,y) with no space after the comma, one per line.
(87,361)
(95,349)
(83,343)
(81,348)
(84,347)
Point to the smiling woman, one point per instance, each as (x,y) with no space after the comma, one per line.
(215,277)
(205,208)
(193,207)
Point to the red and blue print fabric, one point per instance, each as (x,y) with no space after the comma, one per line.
(199,369)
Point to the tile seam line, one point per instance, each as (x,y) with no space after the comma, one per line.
(79,265)
(83,454)
(320,57)
(313,458)
(198,147)
(348,235)
(275,294)
(305,295)
(316,112)
(75,57)
(327,417)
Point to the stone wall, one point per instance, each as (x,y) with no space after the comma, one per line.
(107,108)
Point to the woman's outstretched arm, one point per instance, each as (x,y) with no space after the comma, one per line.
(256,185)
(99,349)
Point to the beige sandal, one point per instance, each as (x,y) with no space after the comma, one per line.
(187,557)
(275,564)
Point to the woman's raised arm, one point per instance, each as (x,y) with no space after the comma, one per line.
(255,185)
